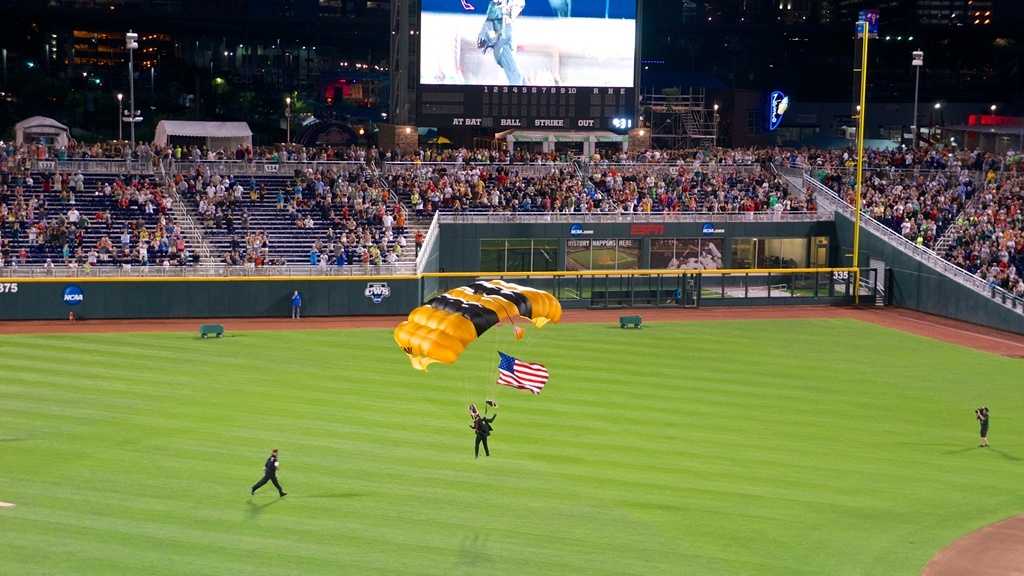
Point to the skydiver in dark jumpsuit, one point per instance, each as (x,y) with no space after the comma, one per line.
(482,426)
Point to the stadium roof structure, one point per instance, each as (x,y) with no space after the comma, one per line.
(216,134)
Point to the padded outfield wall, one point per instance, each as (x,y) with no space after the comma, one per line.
(456,248)
(88,298)
(918,286)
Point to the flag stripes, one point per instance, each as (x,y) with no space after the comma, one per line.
(522,375)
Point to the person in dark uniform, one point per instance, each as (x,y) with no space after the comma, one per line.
(982,415)
(270,474)
(482,426)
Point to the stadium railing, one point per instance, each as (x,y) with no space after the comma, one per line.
(660,167)
(168,165)
(622,217)
(684,287)
(427,251)
(524,169)
(205,271)
(919,253)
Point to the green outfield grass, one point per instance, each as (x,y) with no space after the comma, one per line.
(806,447)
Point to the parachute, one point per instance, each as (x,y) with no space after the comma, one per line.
(441,329)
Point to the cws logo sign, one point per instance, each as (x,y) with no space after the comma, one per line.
(377,292)
(73,295)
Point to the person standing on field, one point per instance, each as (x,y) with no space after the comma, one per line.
(270,475)
(296,305)
(982,415)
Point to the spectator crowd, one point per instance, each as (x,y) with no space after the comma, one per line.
(965,202)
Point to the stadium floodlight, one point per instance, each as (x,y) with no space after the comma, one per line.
(288,117)
(715,107)
(120,117)
(131,42)
(917,61)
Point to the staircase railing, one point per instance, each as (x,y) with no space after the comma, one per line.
(428,245)
(184,219)
(924,255)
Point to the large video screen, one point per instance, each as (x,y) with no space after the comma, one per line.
(564,43)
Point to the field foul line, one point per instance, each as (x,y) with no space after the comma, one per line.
(960,330)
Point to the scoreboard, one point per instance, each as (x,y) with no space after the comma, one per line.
(527,107)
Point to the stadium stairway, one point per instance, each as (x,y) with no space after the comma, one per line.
(286,240)
(920,279)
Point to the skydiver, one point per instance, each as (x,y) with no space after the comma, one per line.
(482,427)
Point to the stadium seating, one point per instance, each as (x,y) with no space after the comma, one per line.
(62,241)
(282,219)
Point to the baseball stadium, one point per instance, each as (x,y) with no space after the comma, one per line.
(651,347)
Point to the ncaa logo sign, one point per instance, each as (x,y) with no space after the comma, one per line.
(73,295)
(377,292)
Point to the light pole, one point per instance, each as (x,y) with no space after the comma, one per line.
(917,62)
(131,43)
(288,117)
(716,125)
(120,117)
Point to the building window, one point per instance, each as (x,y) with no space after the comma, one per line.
(686,253)
(519,255)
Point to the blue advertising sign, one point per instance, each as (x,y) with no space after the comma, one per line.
(871,17)
(73,295)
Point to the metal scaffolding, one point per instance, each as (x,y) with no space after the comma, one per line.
(681,120)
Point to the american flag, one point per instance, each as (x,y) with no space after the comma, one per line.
(522,375)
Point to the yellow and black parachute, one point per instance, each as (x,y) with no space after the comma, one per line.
(441,329)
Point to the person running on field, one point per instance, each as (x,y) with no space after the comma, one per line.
(270,475)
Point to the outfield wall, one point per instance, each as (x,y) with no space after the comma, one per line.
(101,298)
(916,285)
(457,247)
(206,298)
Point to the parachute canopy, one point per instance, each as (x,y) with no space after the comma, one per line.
(441,329)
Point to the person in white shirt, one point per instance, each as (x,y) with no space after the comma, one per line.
(73,215)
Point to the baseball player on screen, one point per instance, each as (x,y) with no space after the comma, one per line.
(496,35)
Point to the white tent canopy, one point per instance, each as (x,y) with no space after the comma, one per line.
(41,130)
(217,135)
